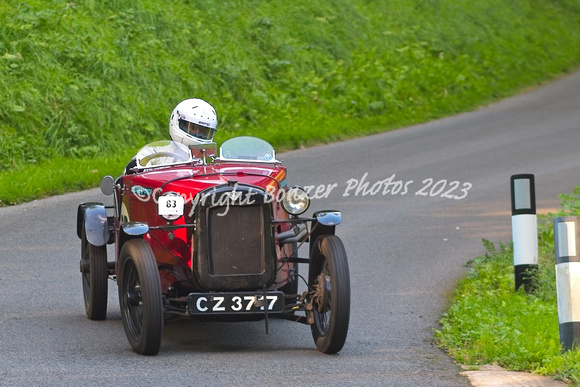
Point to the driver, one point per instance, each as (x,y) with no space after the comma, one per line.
(192,122)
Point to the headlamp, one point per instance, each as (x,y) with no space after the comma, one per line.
(296,201)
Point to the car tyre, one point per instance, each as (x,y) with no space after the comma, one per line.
(329,276)
(94,278)
(140,297)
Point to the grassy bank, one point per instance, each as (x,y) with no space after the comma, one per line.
(488,322)
(83,82)
(58,175)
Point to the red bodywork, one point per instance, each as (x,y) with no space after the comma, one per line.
(175,249)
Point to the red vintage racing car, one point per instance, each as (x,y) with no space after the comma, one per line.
(201,235)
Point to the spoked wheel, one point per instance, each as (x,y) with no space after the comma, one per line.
(94,273)
(329,278)
(140,297)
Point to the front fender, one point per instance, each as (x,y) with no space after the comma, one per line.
(324,223)
(93,217)
(133,229)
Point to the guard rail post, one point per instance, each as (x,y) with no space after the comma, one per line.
(566,232)
(524,230)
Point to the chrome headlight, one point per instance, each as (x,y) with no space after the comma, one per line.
(170,206)
(296,201)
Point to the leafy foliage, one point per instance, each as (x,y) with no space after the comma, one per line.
(99,78)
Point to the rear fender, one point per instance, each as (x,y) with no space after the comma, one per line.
(93,217)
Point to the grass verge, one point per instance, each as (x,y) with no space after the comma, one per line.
(57,176)
(488,322)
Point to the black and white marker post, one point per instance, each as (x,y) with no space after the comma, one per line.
(566,232)
(524,229)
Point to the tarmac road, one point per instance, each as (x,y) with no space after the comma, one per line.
(434,191)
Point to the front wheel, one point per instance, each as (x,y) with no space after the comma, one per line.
(140,297)
(329,278)
(94,273)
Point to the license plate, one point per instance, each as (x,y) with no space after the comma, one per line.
(235,303)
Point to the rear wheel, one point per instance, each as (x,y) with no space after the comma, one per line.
(94,273)
(140,297)
(329,278)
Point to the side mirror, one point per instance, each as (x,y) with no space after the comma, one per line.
(107,185)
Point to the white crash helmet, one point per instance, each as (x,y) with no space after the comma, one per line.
(193,121)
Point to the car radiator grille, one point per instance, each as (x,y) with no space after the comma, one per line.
(236,244)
